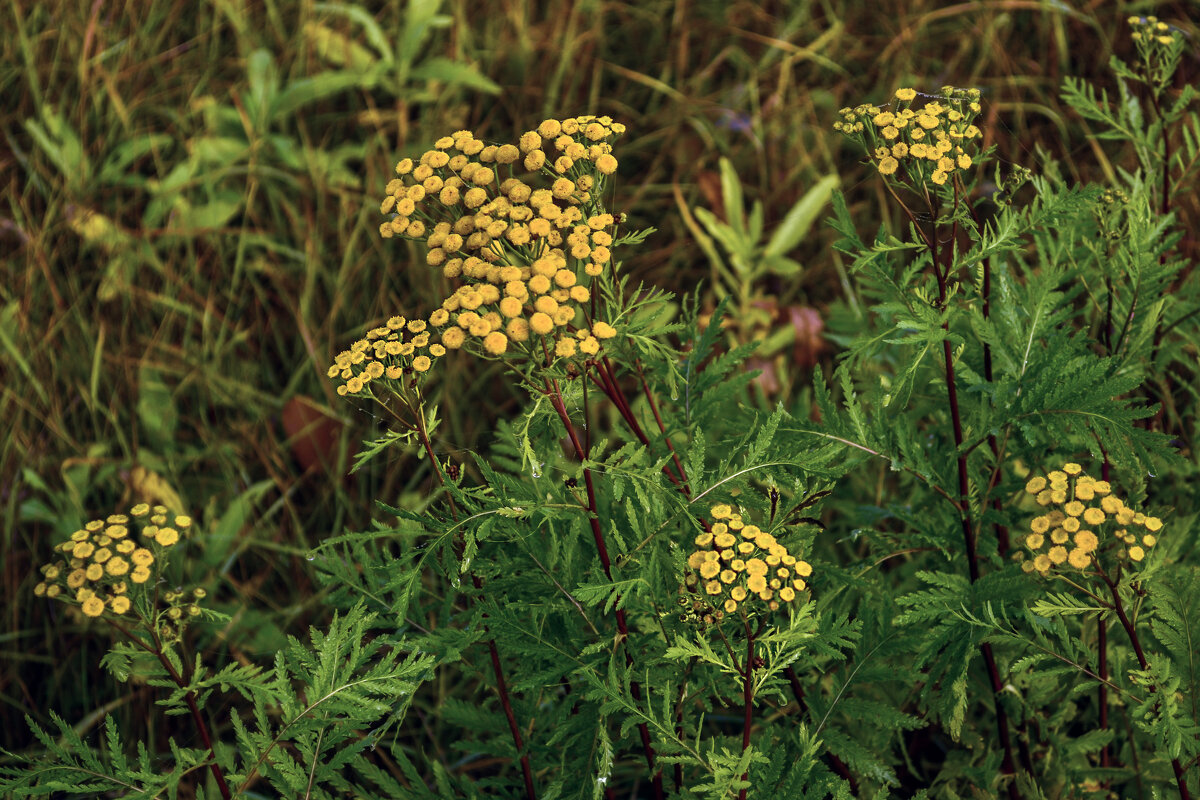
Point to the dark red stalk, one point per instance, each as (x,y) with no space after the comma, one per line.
(189,697)
(1131,632)
(635,687)
(1007,764)
(493,652)
(662,428)
(607,383)
(1102,661)
(748,699)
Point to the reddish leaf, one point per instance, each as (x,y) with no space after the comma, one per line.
(313,433)
(809,343)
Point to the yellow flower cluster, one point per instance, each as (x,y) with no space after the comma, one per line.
(928,144)
(734,561)
(102,559)
(1151,32)
(398,353)
(1082,514)
(524,245)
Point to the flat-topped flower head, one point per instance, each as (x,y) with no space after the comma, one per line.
(740,567)
(110,559)
(929,145)
(521,232)
(393,357)
(1083,524)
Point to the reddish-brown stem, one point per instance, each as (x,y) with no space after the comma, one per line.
(618,397)
(1102,671)
(635,687)
(1163,209)
(1102,647)
(493,652)
(1001,530)
(201,728)
(607,384)
(1130,631)
(964,512)
(189,698)
(663,429)
(748,699)
(838,765)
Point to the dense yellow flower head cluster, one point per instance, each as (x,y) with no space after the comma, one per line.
(925,145)
(1083,517)
(735,563)
(520,228)
(1151,33)
(102,561)
(398,354)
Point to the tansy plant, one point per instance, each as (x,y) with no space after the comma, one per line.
(646,586)
(576,559)
(1007,325)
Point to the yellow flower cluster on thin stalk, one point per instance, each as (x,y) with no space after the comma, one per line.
(103,566)
(1151,33)
(520,228)
(396,355)
(1083,519)
(923,145)
(736,564)
(1159,47)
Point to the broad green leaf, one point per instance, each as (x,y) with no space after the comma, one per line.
(114,169)
(455,73)
(307,90)
(220,151)
(420,16)
(337,48)
(371,29)
(61,145)
(731,196)
(156,408)
(220,540)
(264,84)
(214,214)
(801,217)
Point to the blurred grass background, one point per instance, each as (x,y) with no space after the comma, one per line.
(188,233)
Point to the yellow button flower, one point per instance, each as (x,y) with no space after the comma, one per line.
(756,566)
(93,606)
